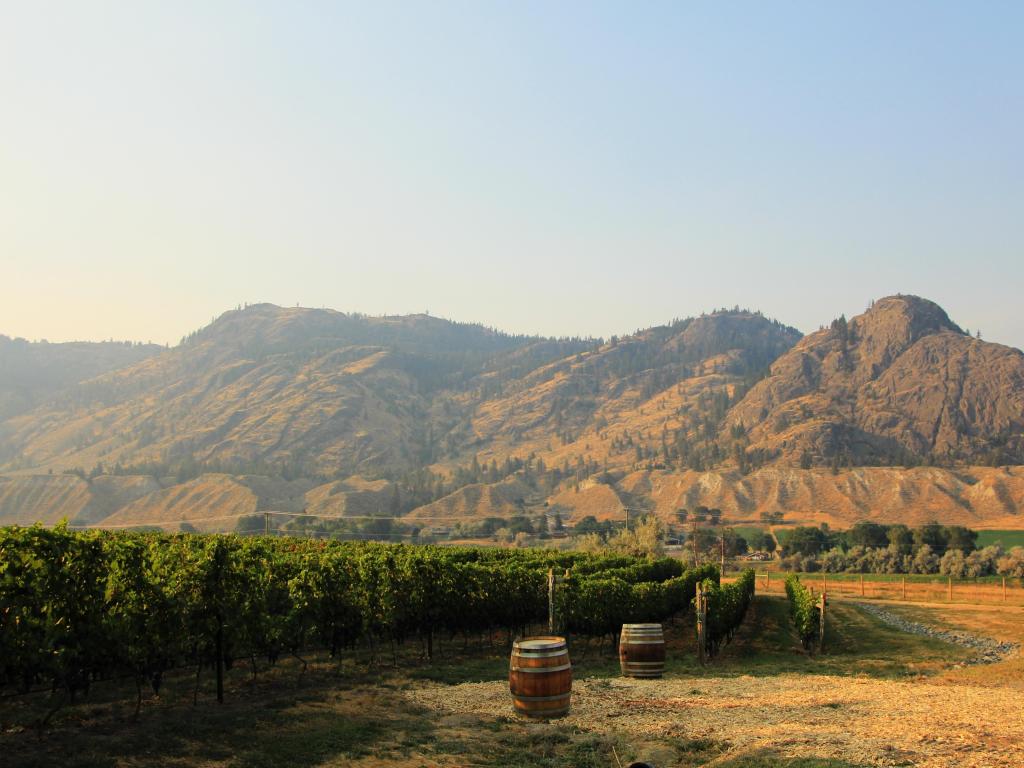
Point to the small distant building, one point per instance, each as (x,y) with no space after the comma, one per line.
(554,524)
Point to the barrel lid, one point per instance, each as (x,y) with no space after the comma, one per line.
(540,643)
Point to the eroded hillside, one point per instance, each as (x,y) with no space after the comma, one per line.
(899,383)
(885,416)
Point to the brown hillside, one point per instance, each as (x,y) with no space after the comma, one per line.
(305,411)
(979,497)
(982,497)
(47,499)
(317,391)
(629,394)
(32,373)
(900,381)
(590,499)
(26,499)
(208,503)
(353,497)
(477,501)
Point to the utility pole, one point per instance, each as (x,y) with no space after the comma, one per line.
(266,523)
(693,543)
(722,568)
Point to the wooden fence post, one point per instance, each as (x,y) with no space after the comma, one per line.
(904,587)
(1004,589)
(701,607)
(951,589)
(551,601)
(821,628)
(862,585)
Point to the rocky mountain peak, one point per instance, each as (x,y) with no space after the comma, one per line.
(891,325)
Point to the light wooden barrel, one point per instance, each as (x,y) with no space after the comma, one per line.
(540,676)
(642,650)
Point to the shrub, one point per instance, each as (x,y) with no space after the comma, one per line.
(1012,563)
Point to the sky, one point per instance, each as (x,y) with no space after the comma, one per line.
(556,168)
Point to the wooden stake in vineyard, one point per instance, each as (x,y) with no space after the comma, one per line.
(821,620)
(551,601)
(552,581)
(702,607)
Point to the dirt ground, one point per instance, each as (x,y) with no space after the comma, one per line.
(877,696)
(952,716)
(861,720)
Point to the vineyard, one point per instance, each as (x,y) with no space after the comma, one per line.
(76,607)
(169,611)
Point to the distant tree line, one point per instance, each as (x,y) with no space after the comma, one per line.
(870,547)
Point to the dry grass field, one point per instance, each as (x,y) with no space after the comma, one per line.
(896,588)
(876,697)
(1000,623)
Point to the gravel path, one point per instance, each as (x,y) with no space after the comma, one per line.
(989,651)
(863,720)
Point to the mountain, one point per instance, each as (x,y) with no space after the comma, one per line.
(299,390)
(33,372)
(616,402)
(899,384)
(360,419)
(321,393)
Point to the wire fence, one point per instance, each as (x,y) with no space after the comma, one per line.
(935,589)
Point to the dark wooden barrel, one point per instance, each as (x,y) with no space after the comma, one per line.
(540,676)
(642,650)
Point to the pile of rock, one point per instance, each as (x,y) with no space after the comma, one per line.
(989,651)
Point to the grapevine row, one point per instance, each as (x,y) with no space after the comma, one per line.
(77,606)
(803,610)
(726,608)
(600,605)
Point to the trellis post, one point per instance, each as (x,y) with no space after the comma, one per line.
(821,627)
(551,601)
(701,617)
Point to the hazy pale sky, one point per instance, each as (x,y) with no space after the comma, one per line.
(557,168)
